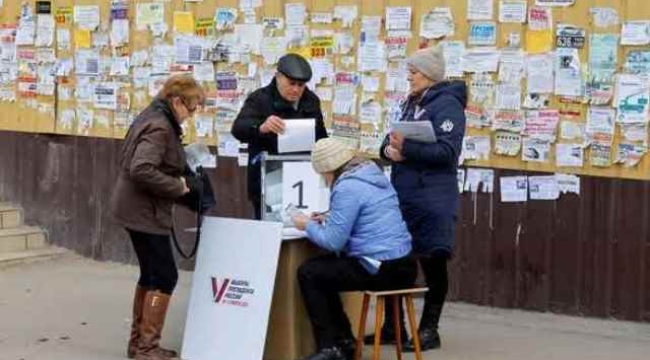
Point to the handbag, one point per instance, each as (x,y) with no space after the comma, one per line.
(200,199)
(201,196)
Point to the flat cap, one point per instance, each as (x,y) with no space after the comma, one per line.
(295,67)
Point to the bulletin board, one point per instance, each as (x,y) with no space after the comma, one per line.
(62,113)
(29,114)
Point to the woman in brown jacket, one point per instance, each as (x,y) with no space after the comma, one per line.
(150,180)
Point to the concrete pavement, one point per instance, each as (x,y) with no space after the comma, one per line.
(73,308)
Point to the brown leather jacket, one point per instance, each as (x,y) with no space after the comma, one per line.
(151,164)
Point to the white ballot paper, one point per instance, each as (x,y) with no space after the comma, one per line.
(416,130)
(299,135)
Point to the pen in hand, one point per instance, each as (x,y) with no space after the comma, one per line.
(319,216)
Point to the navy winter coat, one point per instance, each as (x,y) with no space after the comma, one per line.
(426,181)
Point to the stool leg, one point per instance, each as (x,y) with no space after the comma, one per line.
(362,326)
(398,331)
(378,323)
(414,330)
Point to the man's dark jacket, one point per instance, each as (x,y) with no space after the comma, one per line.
(259,105)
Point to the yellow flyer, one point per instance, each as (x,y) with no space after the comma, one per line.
(539,41)
(82,39)
(184,22)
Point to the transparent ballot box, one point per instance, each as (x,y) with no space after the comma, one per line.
(289,184)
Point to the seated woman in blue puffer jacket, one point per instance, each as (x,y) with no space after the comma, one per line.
(369,241)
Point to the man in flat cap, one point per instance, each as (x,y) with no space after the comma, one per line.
(266,111)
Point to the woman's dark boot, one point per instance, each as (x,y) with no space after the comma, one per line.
(428,332)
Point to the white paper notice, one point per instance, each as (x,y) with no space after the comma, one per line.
(87,62)
(120,66)
(44,30)
(482,60)
(398,18)
(148,14)
(477,177)
(250,35)
(299,135)
(554,2)
(295,13)
(571,130)
(204,71)
(475,148)
(508,96)
(514,188)
(63,40)
(185,51)
(105,96)
(437,23)
(480,9)
(370,28)
(635,33)
(632,97)
(119,32)
(26,31)
(511,66)
(453,52)
(346,14)
(372,57)
(604,17)
(535,150)
(370,113)
(86,16)
(512,11)
(325,93)
(322,17)
(568,73)
(272,48)
(569,155)
(543,188)
(370,83)
(568,183)
(539,69)
(600,120)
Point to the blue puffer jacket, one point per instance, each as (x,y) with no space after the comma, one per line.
(426,180)
(365,219)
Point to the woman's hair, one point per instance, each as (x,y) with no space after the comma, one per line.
(184,87)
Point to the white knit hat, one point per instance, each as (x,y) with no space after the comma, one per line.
(430,62)
(330,154)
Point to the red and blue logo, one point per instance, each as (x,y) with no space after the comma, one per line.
(232,292)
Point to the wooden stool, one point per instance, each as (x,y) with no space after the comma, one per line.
(396,295)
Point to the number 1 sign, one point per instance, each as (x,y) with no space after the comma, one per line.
(301,187)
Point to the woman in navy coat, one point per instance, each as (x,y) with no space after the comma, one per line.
(425,177)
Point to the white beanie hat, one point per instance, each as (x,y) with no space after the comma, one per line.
(330,154)
(430,62)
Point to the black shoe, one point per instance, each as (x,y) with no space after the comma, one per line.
(348,347)
(333,353)
(387,337)
(429,340)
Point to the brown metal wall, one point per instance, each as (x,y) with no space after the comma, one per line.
(585,255)
(65,183)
